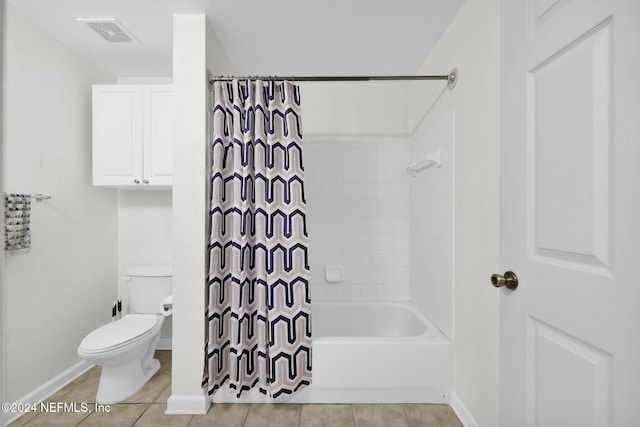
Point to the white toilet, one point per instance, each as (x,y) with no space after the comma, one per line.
(125,348)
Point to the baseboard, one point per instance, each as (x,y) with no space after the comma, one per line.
(164,344)
(188,404)
(47,389)
(462,412)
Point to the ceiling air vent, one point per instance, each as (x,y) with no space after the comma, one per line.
(109,29)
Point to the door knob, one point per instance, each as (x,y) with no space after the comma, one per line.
(509,280)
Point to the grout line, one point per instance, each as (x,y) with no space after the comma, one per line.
(352,407)
(353,416)
(140,416)
(404,411)
(247,414)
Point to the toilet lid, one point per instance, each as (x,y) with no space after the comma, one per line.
(118,333)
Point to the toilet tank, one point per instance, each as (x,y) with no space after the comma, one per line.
(148,285)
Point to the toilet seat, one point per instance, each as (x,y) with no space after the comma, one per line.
(114,335)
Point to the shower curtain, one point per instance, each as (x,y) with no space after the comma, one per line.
(258,329)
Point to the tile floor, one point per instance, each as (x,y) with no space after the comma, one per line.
(146,408)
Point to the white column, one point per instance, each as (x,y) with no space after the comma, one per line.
(189,213)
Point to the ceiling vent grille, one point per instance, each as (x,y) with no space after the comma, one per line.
(109,29)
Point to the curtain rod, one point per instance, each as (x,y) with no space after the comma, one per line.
(451,78)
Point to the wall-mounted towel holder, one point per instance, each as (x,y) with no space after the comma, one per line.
(433,159)
(37,197)
(40,197)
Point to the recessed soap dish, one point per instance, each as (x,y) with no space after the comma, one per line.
(334,274)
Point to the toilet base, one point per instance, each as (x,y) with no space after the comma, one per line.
(122,381)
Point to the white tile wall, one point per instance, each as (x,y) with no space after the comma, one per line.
(392,233)
(432,228)
(358,201)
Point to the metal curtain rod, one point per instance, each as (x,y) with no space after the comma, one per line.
(451,78)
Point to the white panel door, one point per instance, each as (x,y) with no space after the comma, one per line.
(117,135)
(570,332)
(157,120)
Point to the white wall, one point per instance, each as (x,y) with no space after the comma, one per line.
(144,236)
(2,265)
(472,45)
(353,110)
(70,273)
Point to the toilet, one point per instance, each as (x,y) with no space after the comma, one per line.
(125,348)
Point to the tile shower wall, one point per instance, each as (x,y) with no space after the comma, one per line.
(432,227)
(358,201)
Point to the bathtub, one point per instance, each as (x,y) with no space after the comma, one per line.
(371,353)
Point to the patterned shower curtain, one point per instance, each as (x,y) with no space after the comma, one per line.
(258,304)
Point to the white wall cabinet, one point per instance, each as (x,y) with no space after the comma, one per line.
(133,136)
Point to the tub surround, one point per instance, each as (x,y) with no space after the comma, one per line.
(358,217)
(432,225)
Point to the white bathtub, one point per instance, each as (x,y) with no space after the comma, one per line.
(371,353)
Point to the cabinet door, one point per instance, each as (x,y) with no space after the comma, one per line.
(157,138)
(117,135)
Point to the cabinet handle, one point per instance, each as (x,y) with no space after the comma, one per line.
(136,181)
(145,181)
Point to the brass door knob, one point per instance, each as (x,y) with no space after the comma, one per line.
(509,280)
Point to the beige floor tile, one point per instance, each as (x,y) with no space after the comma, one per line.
(326,416)
(379,415)
(119,415)
(93,372)
(59,395)
(92,375)
(223,415)
(425,415)
(154,416)
(164,395)
(164,357)
(23,419)
(150,391)
(54,419)
(85,392)
(141,412)
(273,414)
